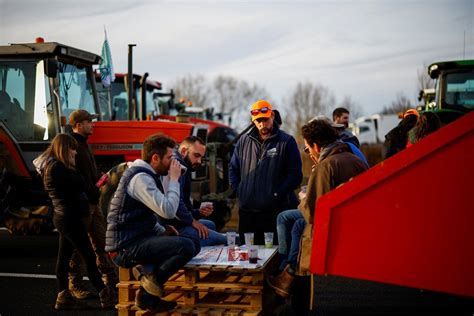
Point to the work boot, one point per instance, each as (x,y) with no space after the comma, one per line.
(79,291)
(108,297)
(283,282)
(146,301)
(66,301)
(148,281)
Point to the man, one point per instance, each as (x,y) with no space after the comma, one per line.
(265,169)
(341,116)
(82,128)
(334,165)
(190,154)
(134,236)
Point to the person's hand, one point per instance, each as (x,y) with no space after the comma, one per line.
(170,231)
(206,209)
(175,170)
(203,231)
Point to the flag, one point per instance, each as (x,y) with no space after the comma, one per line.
(106,67)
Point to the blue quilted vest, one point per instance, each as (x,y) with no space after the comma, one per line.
(129,220)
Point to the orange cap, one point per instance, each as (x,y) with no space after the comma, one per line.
(411,112)
(261,108)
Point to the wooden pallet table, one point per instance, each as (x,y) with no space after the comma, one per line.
(210,284)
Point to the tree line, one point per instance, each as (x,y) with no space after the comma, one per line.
(230,99)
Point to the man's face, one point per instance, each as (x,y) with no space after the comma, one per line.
(312,151)
(162,165)
(85,128)
(194,154)
(343,119)
(264,125)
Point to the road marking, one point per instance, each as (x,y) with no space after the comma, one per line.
(31,276)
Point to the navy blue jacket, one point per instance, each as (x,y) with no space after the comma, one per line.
(265,173)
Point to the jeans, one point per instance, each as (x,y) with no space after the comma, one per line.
(285,222)
(214,238)
(161,255)
(296,234)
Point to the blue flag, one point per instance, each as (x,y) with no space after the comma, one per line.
(106,67)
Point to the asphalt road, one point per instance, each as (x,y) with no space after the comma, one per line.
(28,287)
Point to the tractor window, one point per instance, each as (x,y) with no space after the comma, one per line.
(24,95)
(75,89)
(460,90)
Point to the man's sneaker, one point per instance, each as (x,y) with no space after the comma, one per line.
(148,281)
(108,297)
(66,301)
(146,301)
(81,293)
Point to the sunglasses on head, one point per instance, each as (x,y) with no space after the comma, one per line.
(262,110)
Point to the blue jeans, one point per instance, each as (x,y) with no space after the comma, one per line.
(161,255)
(285,222)
(296,234)
(214,238)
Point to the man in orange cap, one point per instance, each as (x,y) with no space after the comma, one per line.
(396,138)
(265,169)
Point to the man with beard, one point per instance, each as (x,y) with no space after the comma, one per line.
(189,154)
(340,116)
(134,237)
(82,127)
(264,171)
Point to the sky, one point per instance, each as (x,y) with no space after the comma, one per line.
(370,51)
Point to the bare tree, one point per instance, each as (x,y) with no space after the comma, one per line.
(228,96)
(194,88)
(232,98)
(401,104)
(305,102)
(354,108)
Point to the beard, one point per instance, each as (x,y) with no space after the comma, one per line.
(189,163)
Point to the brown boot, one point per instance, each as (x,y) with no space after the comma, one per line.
(283,282)
(108,297)
(66,301)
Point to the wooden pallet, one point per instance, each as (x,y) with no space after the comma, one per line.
(203,290)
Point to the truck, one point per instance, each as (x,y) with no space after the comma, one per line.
(41,83)
(372,129)
(454,90)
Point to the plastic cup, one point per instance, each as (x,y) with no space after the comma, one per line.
(231,239)
(253,254)
(268,239)
(248,239)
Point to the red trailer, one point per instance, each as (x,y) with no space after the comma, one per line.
(407,221)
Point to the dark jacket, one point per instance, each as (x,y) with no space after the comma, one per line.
(265,173)
(396,139)
(129,220)
(66,189)
(85,165)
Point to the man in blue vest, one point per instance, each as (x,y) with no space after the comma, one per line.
(134,237)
